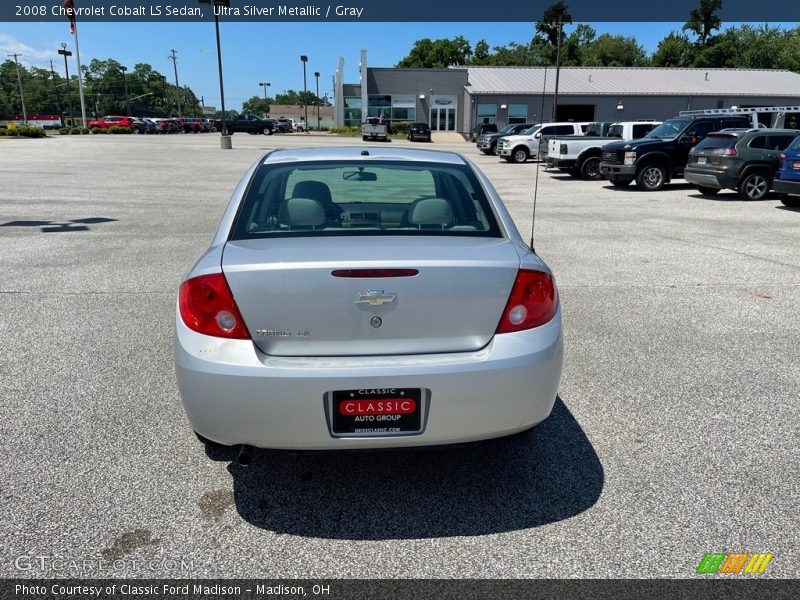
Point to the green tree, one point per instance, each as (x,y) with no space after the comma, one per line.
(256,105)
(442,53)
(675,50)
(292,97)
(704,20)
(613,51)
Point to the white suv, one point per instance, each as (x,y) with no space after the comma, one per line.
(519,148)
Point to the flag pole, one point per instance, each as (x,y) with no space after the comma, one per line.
(80,74)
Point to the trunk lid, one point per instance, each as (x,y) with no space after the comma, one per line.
(293,305)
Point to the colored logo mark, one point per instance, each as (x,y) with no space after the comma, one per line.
(734,562)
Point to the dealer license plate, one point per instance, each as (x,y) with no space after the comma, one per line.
(376,412)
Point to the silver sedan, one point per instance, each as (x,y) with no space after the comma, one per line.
(366,298)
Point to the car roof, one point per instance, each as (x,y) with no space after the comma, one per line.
(358,153)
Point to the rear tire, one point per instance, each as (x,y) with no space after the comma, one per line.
(364,138)
(651,178)
(707,191)
(590,168)
(791,201)
(754,186)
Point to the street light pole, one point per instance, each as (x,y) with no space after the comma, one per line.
(65,53)
(304,60)
(265,85)
(225,138)
(319,127)
(562,18)
(125,79)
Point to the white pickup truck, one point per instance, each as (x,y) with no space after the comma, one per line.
(519,148)
(580,156)
(374,129)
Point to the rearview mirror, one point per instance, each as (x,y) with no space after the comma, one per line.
(359,176)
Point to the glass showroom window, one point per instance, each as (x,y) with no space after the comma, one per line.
(352,112)
(378,105)
(487,113)
(404,114)
(517,113)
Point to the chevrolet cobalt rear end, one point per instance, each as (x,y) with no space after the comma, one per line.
(356,298)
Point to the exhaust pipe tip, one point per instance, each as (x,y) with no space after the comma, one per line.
(245,456)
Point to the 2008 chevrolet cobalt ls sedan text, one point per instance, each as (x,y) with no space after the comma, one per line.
(358,298)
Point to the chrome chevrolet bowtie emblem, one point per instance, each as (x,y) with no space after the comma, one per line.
(376,298)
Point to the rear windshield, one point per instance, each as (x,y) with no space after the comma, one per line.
(353,198)
(715,142)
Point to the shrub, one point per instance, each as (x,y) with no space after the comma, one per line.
(3,131)
(96,129)
(119,130)
(400,127)
(65,131)
(33,132)
(85,131)
(75,131)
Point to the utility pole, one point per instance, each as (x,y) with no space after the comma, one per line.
(21,91)
(65,53)
(174,58)
(125,79)
(58,94)
(562,18)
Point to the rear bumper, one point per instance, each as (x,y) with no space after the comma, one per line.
(707,178)
(562,163)
(233,394)
(614,170)
(783,186)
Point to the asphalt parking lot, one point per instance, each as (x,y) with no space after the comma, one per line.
(675,433)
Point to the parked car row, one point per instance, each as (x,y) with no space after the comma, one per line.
(253,124)
(152,125)
(712,149)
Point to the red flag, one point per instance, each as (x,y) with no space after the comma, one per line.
(69,8)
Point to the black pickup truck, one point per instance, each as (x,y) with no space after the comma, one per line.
(248,124)
(661,156)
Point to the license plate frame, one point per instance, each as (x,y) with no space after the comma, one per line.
(381,412)
(702,160)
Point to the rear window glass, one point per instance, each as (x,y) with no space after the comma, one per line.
(713,142)
(779,141)
(379,198)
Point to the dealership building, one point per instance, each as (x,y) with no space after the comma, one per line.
(456,98)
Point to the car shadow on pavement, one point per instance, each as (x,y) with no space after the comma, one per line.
(731,196)
(542,476)
(60,226)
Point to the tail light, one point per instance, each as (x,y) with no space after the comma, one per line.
(725,151)
(207,306)
(532,302)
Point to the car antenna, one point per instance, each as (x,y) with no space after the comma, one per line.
(538,163)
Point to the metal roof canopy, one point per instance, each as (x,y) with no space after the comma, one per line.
(635,81)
